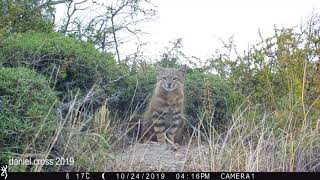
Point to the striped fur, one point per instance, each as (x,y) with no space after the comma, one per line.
(164,119)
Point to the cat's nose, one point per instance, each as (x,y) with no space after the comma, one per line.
(169,85)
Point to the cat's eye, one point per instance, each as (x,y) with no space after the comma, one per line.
(164,78)
(175,78)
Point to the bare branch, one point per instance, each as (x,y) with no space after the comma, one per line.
(71,10)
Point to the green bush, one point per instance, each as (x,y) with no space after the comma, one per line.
(26,15)
(209,97)
(136,90)
(70,63)
(27,107)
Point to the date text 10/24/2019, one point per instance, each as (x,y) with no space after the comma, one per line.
(162,176)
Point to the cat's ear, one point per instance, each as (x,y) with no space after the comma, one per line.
(183,69)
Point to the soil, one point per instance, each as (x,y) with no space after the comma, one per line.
(153,156)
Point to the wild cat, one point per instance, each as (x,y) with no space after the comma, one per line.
(164,118)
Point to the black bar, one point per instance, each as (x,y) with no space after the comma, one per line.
(161,175)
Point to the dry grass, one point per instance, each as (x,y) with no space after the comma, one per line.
(253,141)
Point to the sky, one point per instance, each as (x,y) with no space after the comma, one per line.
(203,23)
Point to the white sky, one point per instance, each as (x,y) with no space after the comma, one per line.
(200,23)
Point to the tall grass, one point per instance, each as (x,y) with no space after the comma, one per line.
(253,140)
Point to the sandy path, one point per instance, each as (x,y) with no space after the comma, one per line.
(153,156)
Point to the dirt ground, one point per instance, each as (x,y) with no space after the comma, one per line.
(153,156)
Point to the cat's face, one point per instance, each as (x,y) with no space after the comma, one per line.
(170,79)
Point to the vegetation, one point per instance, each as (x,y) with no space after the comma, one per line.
(28,111)
(64,94)
(70,63)
(25,15)
(280,73)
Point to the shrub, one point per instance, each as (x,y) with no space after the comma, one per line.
(26,15)
(26,108)
(208,96)
(70,63)
(136,90)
